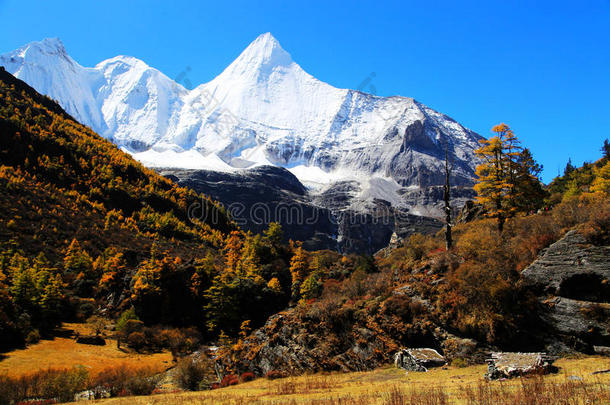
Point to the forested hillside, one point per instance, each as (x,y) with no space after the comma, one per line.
(85,229)
(463,301)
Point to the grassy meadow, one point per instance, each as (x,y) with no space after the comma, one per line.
(65,353)
(573,384)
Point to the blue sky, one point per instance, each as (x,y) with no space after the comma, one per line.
(541,67)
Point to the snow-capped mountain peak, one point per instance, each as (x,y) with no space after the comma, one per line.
(262,109)
(263,58)
(264,52)
(49,46)
(37,53)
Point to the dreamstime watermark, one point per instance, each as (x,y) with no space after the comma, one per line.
(367,85)
(220,119)
(293,214)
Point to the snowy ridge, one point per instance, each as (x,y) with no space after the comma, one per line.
(263,109)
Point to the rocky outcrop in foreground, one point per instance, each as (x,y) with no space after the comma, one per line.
(418,359)
(507,365)
(571,280)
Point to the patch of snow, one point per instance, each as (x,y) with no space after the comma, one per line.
(313,177)
(190,159)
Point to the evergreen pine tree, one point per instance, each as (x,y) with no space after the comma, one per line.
(569,168)
(50,302)
(507,178)
(77,260)
(606,149)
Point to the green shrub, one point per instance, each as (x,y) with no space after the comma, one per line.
(32,337)
(459,362)
(127,315)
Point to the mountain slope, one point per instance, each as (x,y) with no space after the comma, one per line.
(85,228)
(51,157)
(262,109)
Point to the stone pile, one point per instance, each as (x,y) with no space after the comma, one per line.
(507,365)
(418,359)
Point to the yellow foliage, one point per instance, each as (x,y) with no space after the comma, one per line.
(601,183)
(507,181)
(274,285)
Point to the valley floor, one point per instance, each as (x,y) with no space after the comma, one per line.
(573,384)
(65,353)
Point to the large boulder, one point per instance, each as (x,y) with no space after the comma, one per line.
(571,280)
(418,359)
(571,268)
(507,365)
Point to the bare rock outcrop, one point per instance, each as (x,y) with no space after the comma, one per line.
(418,359)
(571,279)
(507,365)
(571,268)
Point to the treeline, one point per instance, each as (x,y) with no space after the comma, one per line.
(590,177)
(249,279)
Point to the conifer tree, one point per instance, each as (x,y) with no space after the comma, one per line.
(111,266)
(606,149)
(249,262)
(569,168)
(601,183)
(447,200)
(77,260)
(507,178)
(233,246)
(299,269)
(51,299)
(531,194)
(311,287)
(23,289)
(274,233)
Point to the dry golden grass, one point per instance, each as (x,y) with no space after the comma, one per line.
(395,387)
(65,353)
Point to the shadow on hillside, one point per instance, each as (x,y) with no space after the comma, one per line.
(63,332)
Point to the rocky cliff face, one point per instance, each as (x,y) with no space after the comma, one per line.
(571,278)
(326,220)
(256,197)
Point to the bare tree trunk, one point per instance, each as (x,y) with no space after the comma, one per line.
(447,198)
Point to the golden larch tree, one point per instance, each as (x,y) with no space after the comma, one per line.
(507,176)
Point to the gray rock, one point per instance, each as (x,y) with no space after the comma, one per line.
(326,220)
(602,350)
(571,268)
(418,359)
(571,280)
(508,365)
